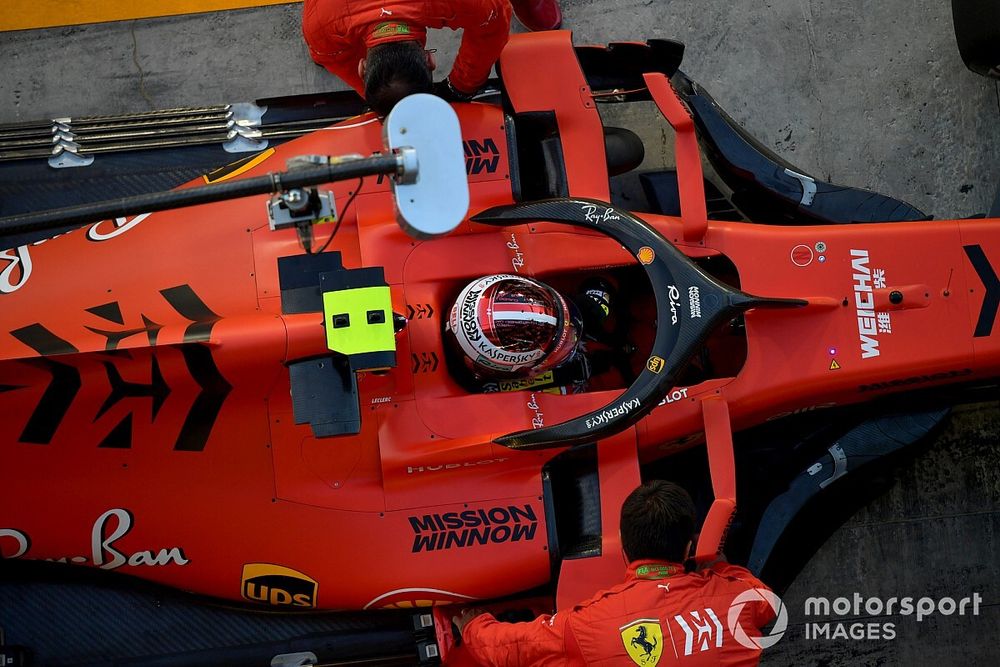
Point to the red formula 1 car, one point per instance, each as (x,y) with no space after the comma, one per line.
(193,398)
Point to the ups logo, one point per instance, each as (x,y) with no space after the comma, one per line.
(277,585)
(655,364)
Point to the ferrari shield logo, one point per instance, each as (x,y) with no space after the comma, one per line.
(643,641)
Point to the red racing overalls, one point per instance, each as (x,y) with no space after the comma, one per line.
(659,616)
(340,32)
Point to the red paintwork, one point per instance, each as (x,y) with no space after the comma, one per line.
(263,490)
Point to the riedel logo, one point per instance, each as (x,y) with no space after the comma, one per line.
(757,595)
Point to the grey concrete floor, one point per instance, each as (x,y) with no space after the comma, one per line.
(862,93)
(935,533)
(868,94)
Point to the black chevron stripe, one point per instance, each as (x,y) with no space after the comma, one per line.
(991,301)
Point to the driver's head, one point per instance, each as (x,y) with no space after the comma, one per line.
(512,326)
(657,522)
(394,70)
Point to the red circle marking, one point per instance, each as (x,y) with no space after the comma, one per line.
(802,255)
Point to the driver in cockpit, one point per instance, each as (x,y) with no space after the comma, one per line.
(512,332)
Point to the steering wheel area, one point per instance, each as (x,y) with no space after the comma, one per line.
(690,304)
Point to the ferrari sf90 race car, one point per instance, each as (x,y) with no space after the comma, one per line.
(258,399)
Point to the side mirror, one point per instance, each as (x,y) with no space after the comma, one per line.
(431,189)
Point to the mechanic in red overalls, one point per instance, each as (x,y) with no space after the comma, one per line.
(660,615)
(377,46)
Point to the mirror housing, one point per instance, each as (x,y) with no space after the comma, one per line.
(430,189)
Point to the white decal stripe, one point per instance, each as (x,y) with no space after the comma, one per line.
(673,644)
(344,127)
(718,626)
(523,317)
(688,634)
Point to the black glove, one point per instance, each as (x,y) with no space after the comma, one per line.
(449,93)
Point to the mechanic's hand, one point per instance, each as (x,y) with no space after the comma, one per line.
(461,620)
(449,93)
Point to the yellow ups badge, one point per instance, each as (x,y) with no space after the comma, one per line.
(277,585)
(643,641)
(655,364)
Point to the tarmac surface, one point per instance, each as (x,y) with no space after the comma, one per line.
(868,94)
(861,93)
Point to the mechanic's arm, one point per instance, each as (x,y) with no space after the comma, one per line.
(757,611)
(485,29)
(513,644)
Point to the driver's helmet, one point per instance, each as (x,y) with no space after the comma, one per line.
(510,326)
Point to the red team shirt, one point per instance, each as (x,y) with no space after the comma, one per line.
(340,32)
(660,615)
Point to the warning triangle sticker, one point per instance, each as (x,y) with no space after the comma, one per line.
(834,365)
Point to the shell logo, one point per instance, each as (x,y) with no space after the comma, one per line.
(646,255)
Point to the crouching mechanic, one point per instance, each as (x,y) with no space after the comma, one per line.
(377,46)
(659,603)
